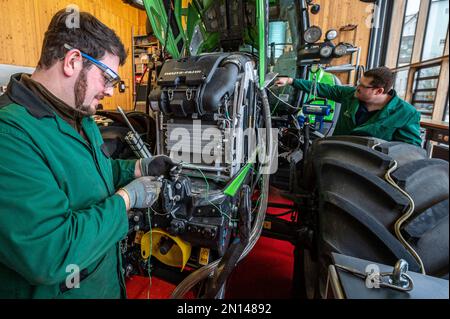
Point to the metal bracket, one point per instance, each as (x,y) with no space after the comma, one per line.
(397,280)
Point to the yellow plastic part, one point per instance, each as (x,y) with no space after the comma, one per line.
(177,256)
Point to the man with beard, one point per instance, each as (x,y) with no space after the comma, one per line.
(63,200)
(371,109)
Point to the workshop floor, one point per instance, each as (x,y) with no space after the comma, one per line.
(266,272)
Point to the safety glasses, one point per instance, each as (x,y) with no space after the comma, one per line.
(111,77)
(365,86)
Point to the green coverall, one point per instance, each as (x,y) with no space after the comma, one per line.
(397,121)
(58,208)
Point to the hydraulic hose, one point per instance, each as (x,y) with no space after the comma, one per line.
(202,273)
(404,217)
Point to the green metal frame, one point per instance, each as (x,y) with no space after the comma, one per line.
(236,183)
(263,21)
(159,19)
(194,19)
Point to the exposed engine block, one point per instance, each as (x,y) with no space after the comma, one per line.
(203,104)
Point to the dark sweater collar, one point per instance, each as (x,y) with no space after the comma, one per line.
(66,112)
(20,94)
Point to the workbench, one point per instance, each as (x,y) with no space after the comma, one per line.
(437,132)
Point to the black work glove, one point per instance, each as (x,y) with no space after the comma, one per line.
(157,166)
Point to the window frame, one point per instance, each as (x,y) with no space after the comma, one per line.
(392,57)
(426,29)
(401,33)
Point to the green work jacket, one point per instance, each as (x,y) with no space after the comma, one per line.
(60,220)
(397,121)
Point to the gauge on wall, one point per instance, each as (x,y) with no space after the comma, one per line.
(331,34)
(340,50)
(313,34)
(326,51)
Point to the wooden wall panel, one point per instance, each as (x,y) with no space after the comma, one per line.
(335,14)
(395,34)
(24,22)
(442,92)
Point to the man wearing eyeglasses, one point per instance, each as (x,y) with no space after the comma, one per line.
(63,200)
(371,109)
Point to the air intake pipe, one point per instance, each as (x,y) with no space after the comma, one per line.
(221,84)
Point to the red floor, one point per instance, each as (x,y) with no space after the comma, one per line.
(265,273)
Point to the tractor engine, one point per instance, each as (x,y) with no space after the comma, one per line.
(203,107)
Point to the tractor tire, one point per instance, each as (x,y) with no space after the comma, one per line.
(358,208)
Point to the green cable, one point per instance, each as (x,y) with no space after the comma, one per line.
(201,172)
(261,196)
(207,192)
(228,115)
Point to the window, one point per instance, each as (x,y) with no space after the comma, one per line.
(418,54)
(408,32)
(401,82)
(436,30)
(279,34)
(425,88)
